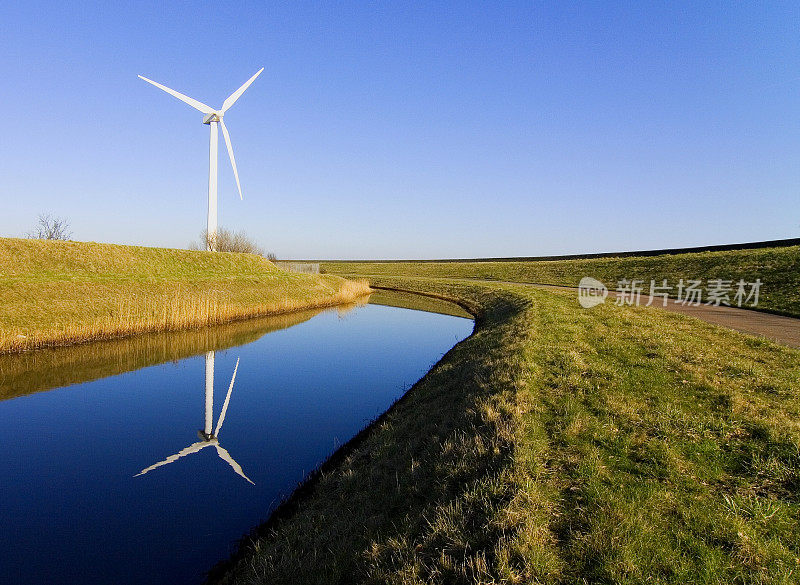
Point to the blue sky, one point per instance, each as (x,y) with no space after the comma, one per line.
(408,130)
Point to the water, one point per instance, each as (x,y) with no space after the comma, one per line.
(79,424)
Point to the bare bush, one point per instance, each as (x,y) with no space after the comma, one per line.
(229,241)
(51,228)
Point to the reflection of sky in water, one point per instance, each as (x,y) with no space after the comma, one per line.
(72,509)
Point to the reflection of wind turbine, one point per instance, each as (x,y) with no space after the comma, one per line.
(208,438)
(213,118)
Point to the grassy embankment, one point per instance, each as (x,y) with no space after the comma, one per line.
(778,269)
(560,445)
(54,293)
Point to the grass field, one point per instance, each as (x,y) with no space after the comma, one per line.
(778,269)
(559,445)
(56,292)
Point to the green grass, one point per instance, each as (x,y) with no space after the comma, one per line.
(560,445)
(62,292)
(778,269)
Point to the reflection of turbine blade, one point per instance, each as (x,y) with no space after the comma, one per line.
(225,456)
(227,400)
(208,438)
(194,448)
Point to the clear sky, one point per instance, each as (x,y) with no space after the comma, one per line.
(407,130)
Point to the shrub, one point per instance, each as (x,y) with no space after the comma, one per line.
(226,240)
(51,228)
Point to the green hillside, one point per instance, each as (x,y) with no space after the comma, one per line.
(54,292)
(777,268)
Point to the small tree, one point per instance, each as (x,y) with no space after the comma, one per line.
(51,228)
(229,241)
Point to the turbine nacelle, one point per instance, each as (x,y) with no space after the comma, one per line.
(212,117)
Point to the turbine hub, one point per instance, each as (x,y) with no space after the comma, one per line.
(213,117)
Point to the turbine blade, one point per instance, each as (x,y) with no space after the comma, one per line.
(184,98)
(227,400)
(236,94)
(193,448)
(230,154)
(225,456)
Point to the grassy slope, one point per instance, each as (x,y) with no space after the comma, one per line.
(58,292)
(778,269)
(561,445)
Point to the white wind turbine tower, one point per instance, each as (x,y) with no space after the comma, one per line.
(213,118)
(206,436)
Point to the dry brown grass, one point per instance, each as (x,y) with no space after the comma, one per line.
(182,310)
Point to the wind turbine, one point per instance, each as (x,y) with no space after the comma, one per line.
(207,437)
(213,118)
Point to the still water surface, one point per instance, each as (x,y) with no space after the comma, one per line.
(144,460)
